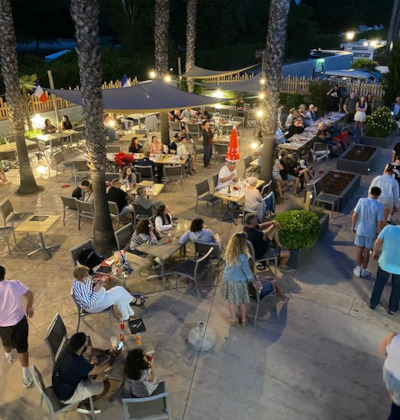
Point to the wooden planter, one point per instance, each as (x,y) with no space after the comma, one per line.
(297,256)
(384,142)
(357,166)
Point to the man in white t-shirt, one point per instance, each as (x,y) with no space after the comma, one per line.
(227,175)
(14,327)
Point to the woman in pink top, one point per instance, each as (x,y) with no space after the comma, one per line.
(156,146)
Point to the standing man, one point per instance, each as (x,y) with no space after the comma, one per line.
(335,99)
(387,252)
(349,108)
(367,219)
(14,327)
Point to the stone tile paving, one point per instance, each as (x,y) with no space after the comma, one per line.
(314,358)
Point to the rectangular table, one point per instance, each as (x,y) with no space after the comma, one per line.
(40,227)
(165,249)
(153,191)
(8,148)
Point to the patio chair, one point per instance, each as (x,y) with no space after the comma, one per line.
(76,250)
(114,212)
(111,175)
(320,151)
(220,150)
(77,139)
(203,194)
(142,213)
(255,297)
(146,172)
(81,168)
(195,270)
(266,189)
(83,314)
(9,215)
(113,149)
(69,204)
(193,131)
(173,173)
(215,182)
(123,236)
(201,248)
(56,338)
(156,406)
(261,260)
(59,160)
(85,209)
(48,395)
(5,233)
(175,127)
(247,167)
(321,197)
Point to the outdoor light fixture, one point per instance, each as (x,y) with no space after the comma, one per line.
(152,74)
(41,169)
(350,35)
(218,106)
(373,43)
(261,95)
(365,44)
(262,81)
(37,121)
(111,123)
(254,145)
(260,113)
(167,78)
(218,94)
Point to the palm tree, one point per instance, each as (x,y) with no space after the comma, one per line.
(191,11)
(392,35)
(161,29)
(85,16)
(276,39)
(27,83)
(15,101)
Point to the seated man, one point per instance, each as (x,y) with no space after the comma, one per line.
(204,114)
(70,379)
(120,197)
(183,151)
(321,138)
(146,203)
(296,128)
(260,237)
(146,161)
(173,146)
(227,175)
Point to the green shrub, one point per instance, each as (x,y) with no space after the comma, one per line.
(380,123)
(33,133)
(299,228)
(291,101)
(365,63)
(317,94)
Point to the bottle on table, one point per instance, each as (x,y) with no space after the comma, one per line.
(138,339)
(229,190)
(121,330)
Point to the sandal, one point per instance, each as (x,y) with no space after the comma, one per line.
(245,323)
(139,301)
(233,323)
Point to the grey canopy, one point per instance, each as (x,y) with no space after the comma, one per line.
(200,73)
(152,96)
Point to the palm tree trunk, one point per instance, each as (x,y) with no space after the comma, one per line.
(27,110)
(161,29)
(396,27)
(191,11)
(392,37)
(276,39)
(85,16)
(15,101)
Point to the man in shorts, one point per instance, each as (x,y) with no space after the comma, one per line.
(13,323)
(367,221)
(260,237)
(71,382)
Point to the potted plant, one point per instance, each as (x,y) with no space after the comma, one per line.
(380,128)
(299,232)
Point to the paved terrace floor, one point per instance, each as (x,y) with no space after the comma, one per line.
(314,358)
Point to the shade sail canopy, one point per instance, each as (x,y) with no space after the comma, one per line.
(200,73)
(250,85)
(153,96)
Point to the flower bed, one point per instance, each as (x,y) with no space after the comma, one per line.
(358,158)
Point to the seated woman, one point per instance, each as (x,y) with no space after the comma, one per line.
(252,196)
(156,146)
(93,297)
(84,192)
(127,177)
(139,370)
(304,167)
(144,233)
(66,123)
(163,219)
(48,127)
(135,146)
(198,233)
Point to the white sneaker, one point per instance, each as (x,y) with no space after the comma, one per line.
(28,382)
(365,272)
(11,358)
(357,271)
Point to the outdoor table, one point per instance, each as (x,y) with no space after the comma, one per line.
(128,137)
(162,159)
(165,249)
(67,134)
(235,197)
(39,224)
(151,191)
(8,148)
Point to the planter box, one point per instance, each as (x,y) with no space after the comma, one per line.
(357,166)
(298,256)
(384,142)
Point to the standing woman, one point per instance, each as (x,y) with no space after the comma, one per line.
(237,274)
(66,123)
(208,139)
(360,116)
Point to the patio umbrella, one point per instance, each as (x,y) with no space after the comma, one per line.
(233,154)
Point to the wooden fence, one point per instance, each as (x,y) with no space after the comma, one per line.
(291,85)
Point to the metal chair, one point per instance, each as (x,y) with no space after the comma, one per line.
(173,173)
(59,160)
(48,395)
(123,236)
(320,151)
(255,297)
(220,150)
(146,172)
(194,131)
(203,194)
(82,313)
(142,213)
(321,197)
(9,215)
(85,209)
(5,233)
(69,204)
(247,167)
(201,248)
(56,338)
(111,175)
(266,260)
(195,270)
(80,168)
(156,406)
(76,250)
(266,189)
(113,149)
(114,212)
(175,127)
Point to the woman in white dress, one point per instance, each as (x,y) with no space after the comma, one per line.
(360,115)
